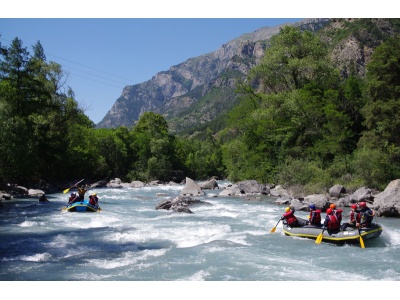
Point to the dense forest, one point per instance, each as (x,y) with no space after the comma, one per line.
(300,122)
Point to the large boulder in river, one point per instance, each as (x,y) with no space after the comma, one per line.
(137,184)
(387,203)
(180,204)
(117,183)
(209,185)
(232,190)
(99,184)
(191,189)
(253,187)
(362,194)
(279,191)
(321,201)
(35,193)
(298,205)
(5,196)
(337,190)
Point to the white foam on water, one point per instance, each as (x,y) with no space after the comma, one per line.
(76,251)
(132,236)
(190,237)
(31,224)
(228,214)
(38,257)
(127,259)
(393,236)
(198,276)
(115,197)
(390,275)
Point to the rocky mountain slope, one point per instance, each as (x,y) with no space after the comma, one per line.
(201,89)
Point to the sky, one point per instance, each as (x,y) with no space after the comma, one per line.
(102,48)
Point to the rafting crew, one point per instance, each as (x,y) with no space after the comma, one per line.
(93,199)
(315,216)
(290,218)
(73,198)
(354,218)
(366,215)
(337,212)
(81,192)
(331,223)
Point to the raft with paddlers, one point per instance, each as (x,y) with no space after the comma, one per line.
(83,206)
(350,235)
(77,203)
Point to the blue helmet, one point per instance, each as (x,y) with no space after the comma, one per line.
(312,206)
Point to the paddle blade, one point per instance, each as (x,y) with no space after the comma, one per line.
(66,191)
(273,229)
(319,239)
(362,242)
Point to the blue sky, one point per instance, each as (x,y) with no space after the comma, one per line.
(103,49)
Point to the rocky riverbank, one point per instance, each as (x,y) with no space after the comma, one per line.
(385,203)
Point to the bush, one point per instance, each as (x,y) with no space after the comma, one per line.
(306,173)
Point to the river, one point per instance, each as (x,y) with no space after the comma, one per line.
(131,241)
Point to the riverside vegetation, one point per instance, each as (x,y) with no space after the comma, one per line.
(300,121)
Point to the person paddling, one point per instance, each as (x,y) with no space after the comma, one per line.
(315,216)
(366,215)
(331,222)
(337,212)
(73,198)
(93,199)
(81,192)
(291,220)
(352,222)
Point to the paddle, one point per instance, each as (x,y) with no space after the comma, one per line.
(273,229)
(361,239)
(319,237)
(66,190)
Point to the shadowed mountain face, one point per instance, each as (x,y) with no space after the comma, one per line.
(202,88)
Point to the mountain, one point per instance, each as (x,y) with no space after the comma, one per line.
(202,89)
(199,89)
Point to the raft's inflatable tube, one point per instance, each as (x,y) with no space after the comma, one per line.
(84,206)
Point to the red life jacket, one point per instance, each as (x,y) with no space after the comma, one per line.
(333,222)
(290,218)
(71,199)
(315,217)
(92,200)
(338,214)
(352,216)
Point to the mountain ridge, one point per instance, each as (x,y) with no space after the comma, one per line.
(179,89)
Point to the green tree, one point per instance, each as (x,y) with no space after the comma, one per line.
(382,121)
(294,59)
(296,107)
(37,119)
(153,147)
(383,77)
